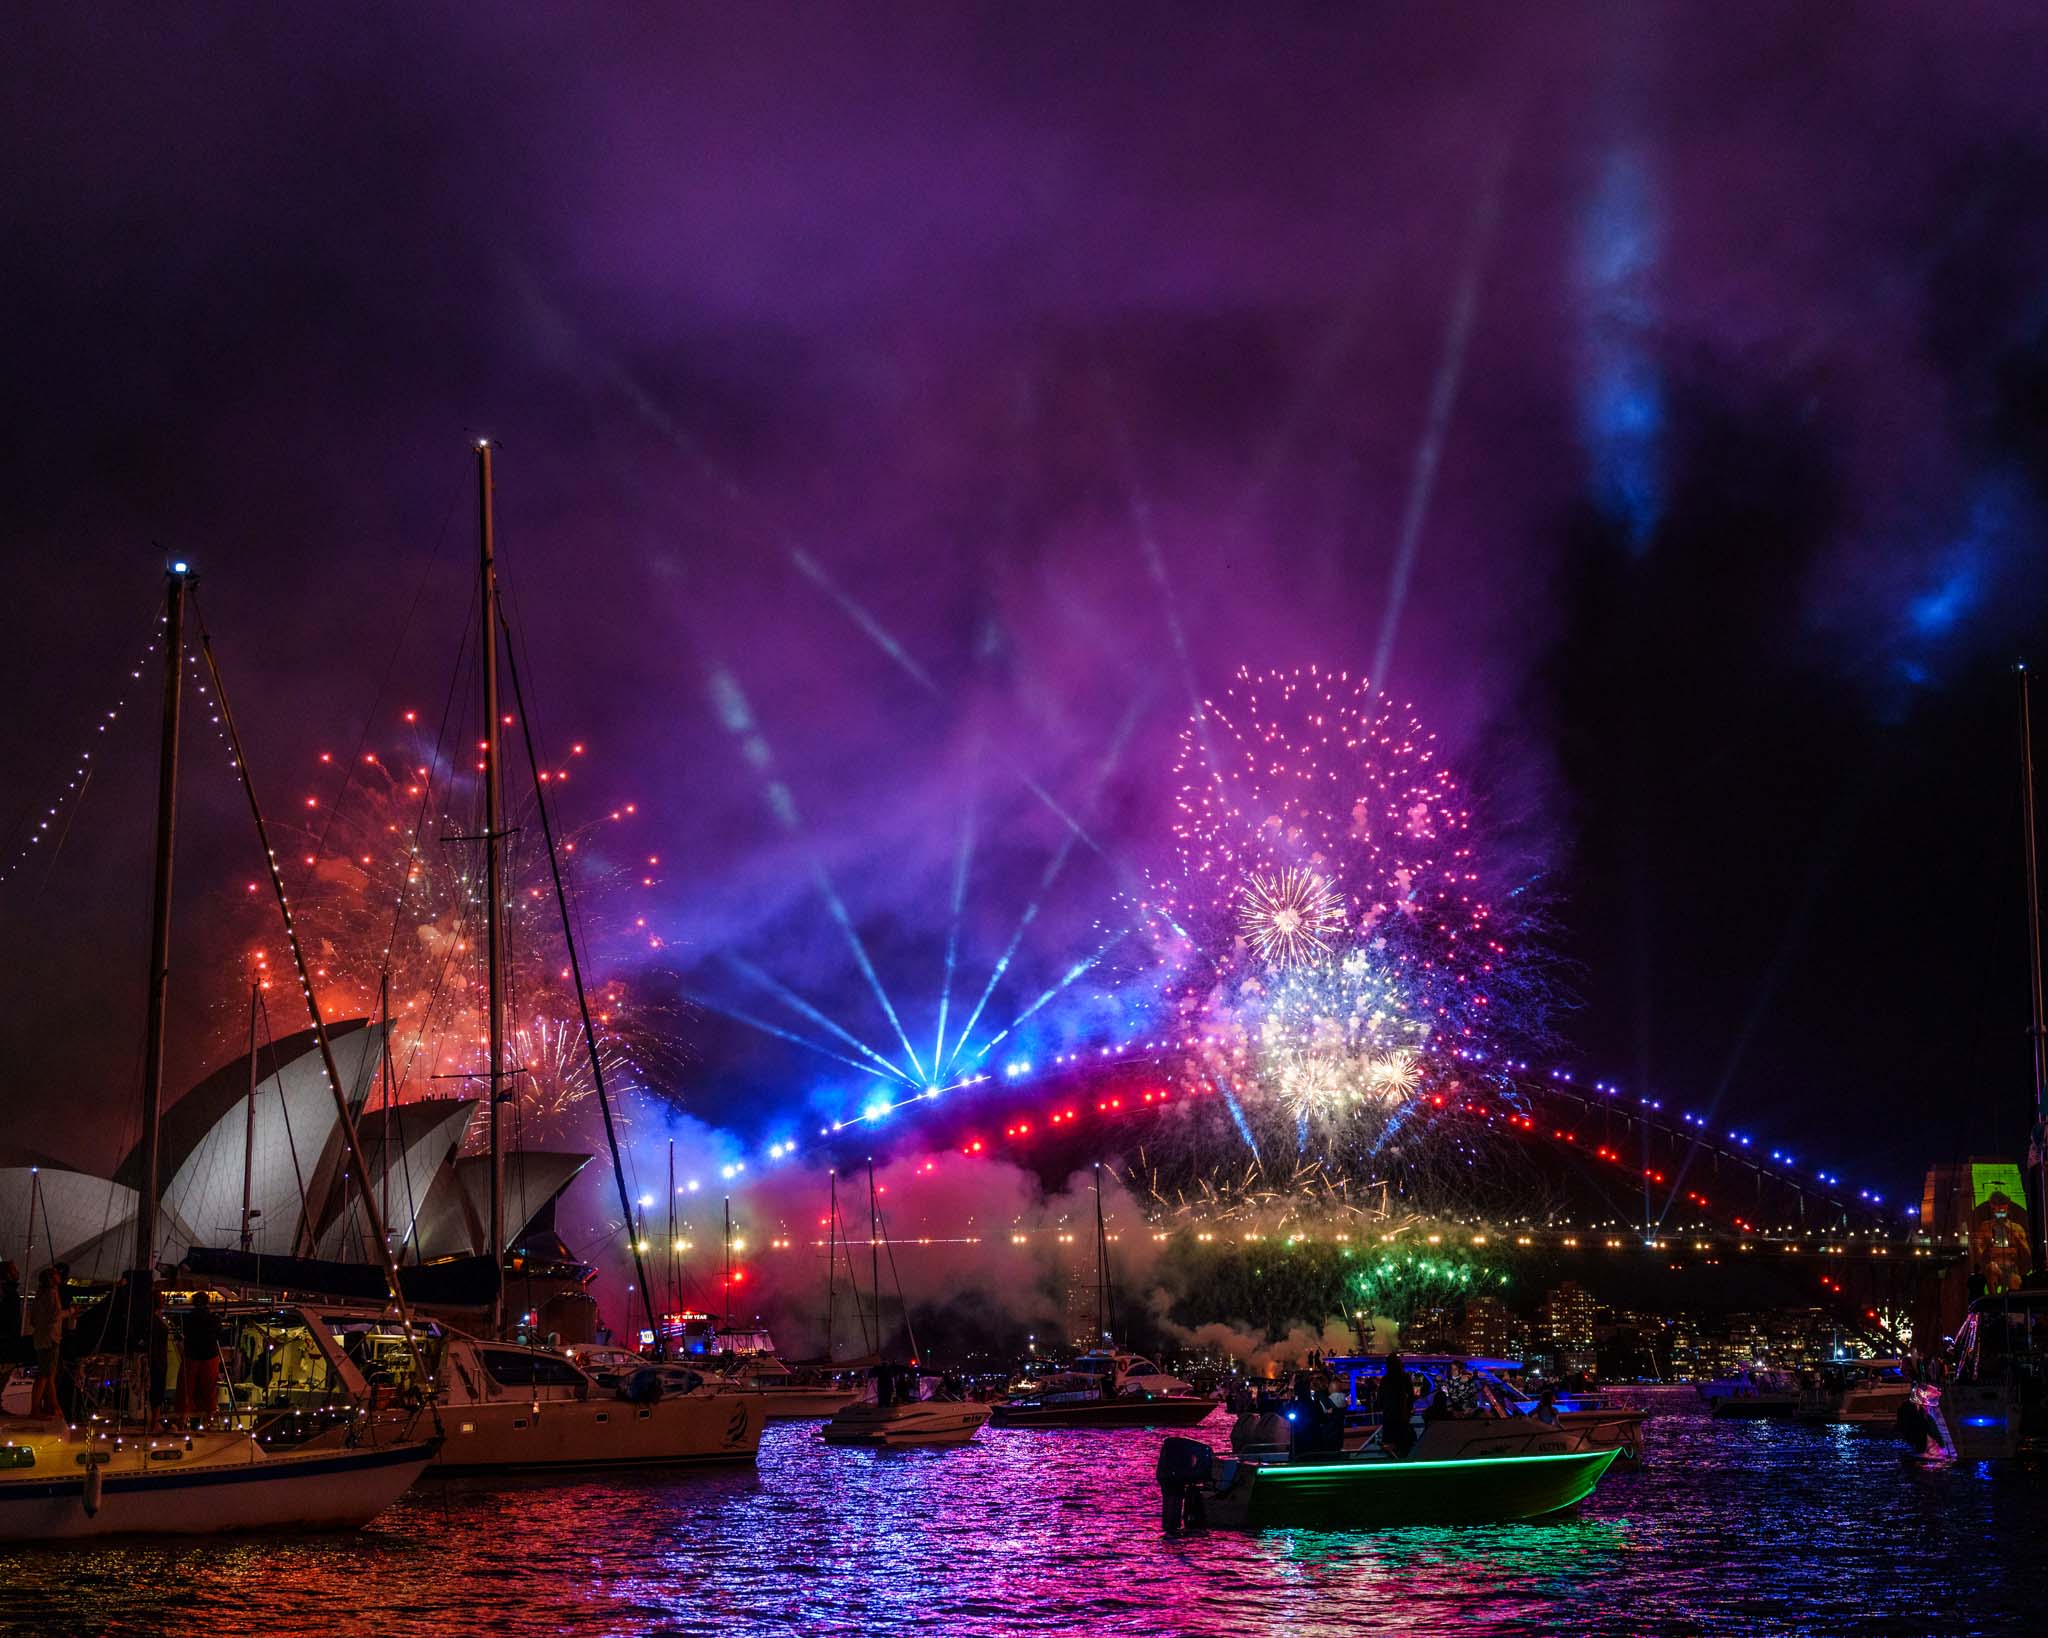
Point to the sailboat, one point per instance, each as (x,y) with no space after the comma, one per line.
(901,1408)
(787,1393)
(508,1404)
(1106,1387)
(108,1473)
(1997,1399)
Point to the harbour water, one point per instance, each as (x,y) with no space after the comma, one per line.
(1732,1527)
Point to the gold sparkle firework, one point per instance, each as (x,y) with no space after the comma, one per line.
(1289,915)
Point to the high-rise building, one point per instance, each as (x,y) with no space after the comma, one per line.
(1491,1330)
(1565,1320)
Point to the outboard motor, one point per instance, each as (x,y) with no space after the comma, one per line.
(1184,1467)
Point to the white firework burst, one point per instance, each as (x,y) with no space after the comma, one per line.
(1289,916)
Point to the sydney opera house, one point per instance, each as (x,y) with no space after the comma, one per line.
(280,1150)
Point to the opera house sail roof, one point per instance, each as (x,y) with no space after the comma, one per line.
(300,1194)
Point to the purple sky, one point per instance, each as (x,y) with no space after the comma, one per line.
(1092,352)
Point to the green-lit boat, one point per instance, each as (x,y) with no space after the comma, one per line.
(1379,1493)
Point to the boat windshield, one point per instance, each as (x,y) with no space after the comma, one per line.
(273,1369)
(529,1368)
(2002,1334)
(376,1347)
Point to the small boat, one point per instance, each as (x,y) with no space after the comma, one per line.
(1106,1388)
(1585,1420)
(1863,1393)
(1370,1492)
(1753,1395)
(936,1421)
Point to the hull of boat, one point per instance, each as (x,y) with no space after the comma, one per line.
(799,1404)
(1873,1407)
(1103,1413)
(926,1423)
(1458,1437)
(597,1433)
(1377,1494)
(245,1490)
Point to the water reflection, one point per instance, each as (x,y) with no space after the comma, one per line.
(1732,1527)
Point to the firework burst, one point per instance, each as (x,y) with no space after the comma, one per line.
(386,885)
(1289,917)
(1330,965)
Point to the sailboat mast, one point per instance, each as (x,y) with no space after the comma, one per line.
(494,885)
(2037,1171)
(249,1116)
(875,1254)
(831,1261)
(669,1306)
(1101,1266)
(142,1285)
(384,1058)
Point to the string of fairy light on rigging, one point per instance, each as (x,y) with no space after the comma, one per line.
(35,828)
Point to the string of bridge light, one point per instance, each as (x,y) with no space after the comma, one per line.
(1017,1070)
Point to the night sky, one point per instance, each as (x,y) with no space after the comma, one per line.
(1657,397)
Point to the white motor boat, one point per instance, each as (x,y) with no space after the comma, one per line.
(909,1422)
(784,1395)
(613,1367)
(1875,1400)
(507,1407)
(1752,1394)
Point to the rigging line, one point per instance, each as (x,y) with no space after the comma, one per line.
(352,1141)
(604,1102)
(440,983)
(867,1336)
(575,928)
(889,1245)
(276,1076)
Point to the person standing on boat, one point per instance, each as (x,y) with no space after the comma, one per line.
(199,1373)
(47,1317)
(1397,1408)
(1546,1407)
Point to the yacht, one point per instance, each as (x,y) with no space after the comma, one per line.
(1752,1394)
(101,1470)
(1861,1392)
(786,1394)
(1996,1399)
(507,1407)
(1106,1388)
